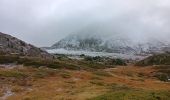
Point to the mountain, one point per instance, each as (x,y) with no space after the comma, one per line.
(12,45)
(111,44)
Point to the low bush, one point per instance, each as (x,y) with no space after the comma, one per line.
(119,62)
(8,59)
(102,73)
(99,83)
(159,59)
(89,63)
(65,75)
(134,95)
(12,73)
(162,77)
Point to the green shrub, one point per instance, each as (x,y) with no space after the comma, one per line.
(82,55)
(8,59)
(11,73)
(118,87)
(119,62)
(65,75)
(102,73)
(134,95)
(159,59)
(99,83)
(96,78)
(162,77)
(88,58)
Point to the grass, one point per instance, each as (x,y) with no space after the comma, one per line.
(159,59)
(64,63)
(105,60)
(65,75)
(17,89)
(163,72)
(40,74)
(134,95)
(99,83)
(8,59)
(27,98)
(37,62)
(161,63)
(1,93)
(89,86)
(102,73)
(55,63)
(123,92)
(162,77)
(96,78)
(12,73)
(117,87)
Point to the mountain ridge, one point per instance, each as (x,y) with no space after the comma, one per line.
(15,46)
(115,44)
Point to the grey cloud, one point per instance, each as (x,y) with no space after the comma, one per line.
(43,22)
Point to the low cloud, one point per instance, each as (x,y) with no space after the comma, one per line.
(43,22)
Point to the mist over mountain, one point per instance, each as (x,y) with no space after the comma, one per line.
(110,44)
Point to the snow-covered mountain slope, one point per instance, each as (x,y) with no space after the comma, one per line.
(112,44)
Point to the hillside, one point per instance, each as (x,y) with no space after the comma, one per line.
(90,78)
(131,83)
(161,63)
(14,46)
(157,59)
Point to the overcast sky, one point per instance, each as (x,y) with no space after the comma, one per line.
(44,22)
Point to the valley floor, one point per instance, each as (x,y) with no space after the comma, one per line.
(119,83)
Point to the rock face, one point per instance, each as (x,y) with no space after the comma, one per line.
(112,44)
(14,46)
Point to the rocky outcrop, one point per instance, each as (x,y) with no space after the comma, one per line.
(14,46)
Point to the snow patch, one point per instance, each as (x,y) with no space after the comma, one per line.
(7,94)
(94,54)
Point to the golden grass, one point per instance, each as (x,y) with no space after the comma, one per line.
(65,84)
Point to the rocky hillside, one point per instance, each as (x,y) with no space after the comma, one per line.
(158,59)
(14,46)
(114,44)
